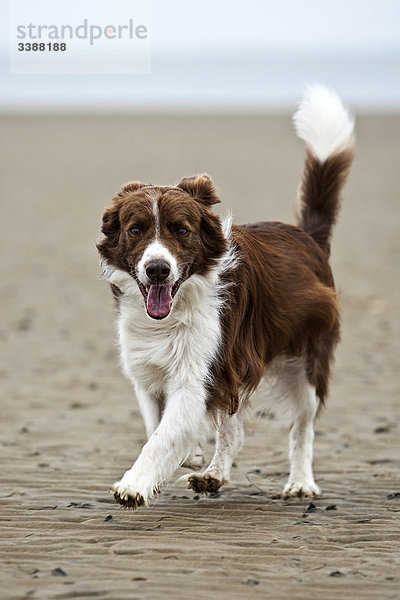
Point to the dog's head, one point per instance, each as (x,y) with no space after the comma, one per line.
(161,236)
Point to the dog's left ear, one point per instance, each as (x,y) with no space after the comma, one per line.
(201,188)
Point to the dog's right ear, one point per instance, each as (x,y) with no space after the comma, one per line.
(110,224)
(129,187)
(110,228)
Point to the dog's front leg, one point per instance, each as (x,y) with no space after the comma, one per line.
(183,419)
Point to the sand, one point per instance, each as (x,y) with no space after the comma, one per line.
(70,424)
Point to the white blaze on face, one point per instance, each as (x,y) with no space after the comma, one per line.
(157,251)
(156,213)
(158,297)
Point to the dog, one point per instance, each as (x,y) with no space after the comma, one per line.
(206,309)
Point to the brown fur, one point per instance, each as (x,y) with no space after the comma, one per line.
(282,302)
(320,195)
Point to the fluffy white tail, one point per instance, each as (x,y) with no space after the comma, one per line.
(327,128)
(323,122)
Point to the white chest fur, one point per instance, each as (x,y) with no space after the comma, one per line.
(180,347)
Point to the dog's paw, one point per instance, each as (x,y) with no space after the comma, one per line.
(128,500)
(203,483)
(300,489)
(127,494)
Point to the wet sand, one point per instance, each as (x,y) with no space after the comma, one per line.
(70,425)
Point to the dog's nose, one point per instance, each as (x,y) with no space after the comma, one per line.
(158,270)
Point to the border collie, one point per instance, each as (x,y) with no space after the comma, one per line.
(207,309)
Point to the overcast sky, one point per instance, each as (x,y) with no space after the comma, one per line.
(251,54)
(339,25)
(190,25)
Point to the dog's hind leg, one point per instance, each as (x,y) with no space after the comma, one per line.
(301,479)
(309,388)
(229,440)
(301,397)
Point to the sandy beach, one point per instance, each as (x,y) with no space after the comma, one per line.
(70,425)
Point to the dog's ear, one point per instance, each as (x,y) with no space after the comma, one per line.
(212,237)
(110,223)
(110,228)
(132,186)
(201,188)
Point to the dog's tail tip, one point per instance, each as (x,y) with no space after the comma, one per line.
(323,122)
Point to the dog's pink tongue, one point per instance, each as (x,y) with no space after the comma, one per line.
(159,300)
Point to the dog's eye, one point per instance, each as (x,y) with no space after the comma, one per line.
(182,231)
(135,230)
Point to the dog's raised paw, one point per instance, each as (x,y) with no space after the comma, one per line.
(204,483)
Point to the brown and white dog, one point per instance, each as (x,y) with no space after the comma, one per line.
(206,309)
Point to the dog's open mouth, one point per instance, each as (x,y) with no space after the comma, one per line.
(158,298)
